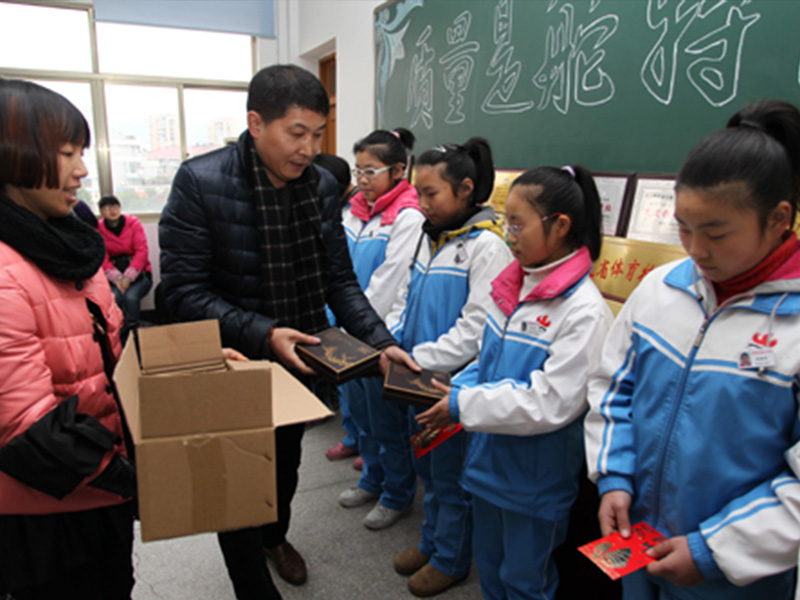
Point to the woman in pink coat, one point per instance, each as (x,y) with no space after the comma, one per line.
(66,520)
(127,265)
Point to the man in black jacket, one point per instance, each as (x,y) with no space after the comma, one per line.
(251,235)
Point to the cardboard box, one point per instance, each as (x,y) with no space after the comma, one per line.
(204,430)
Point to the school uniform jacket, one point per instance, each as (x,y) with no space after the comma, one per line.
(382,242)
(525,394)
(698,441)
(440,318)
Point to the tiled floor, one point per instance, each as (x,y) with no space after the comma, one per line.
(345,560)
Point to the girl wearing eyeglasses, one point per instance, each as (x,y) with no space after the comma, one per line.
(524,397)
(382,223)
(460,251)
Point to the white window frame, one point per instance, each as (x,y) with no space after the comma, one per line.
(97,81)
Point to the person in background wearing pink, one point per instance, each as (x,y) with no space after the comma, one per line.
(127,265)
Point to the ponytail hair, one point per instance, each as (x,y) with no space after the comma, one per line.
(571,191)
(760,148)
(389,147)
(473,160)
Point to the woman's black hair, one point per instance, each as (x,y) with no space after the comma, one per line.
(760,148)
(389,147)
(473,160)
(35,122)
(570,191)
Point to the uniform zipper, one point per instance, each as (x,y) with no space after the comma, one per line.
(682,387)
(419,294)
(673,415)
(499,360)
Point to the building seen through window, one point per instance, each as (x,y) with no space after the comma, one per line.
(148,105)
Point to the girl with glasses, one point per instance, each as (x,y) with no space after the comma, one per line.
(523,398)
(382,223)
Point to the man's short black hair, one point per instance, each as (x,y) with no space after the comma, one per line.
(273,90)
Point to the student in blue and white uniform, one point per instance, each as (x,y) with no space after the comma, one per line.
(695,402)
(382,222)
(525,396)
(440,321)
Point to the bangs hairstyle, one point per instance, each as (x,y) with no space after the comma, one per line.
(554,190)
(273,90)
(35,123)
(760,148)
(389,147)
(473,160)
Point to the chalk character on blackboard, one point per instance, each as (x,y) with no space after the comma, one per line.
(524,398)
(675,439)
(420,85)
(712,41)
(573,59)
(439,318)
(458,66)
(382,224)
(505,70)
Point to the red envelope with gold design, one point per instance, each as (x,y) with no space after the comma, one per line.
(426,440)
(617,556)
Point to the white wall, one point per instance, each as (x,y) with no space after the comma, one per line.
(317,28)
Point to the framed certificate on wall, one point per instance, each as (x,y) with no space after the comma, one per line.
(614,189)
(652,217)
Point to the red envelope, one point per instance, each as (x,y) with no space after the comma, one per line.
(426,440)
(617,556)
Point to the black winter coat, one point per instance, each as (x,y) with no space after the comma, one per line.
(211,255)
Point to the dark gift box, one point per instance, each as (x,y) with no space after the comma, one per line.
(339,356)
(401,384)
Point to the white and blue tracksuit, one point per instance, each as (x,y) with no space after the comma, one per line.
(381,240)
(439,322)
(697,439)
(524,399)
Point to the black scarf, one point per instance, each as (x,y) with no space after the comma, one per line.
(115,229)
(64,247)
(294,258)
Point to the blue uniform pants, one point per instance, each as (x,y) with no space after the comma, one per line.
(447,528)
(389,427)
(383,442)
(514,553)
(348,395)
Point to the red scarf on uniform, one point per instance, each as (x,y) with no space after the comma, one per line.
(758,274)
(388,206)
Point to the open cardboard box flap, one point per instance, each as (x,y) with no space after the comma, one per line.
(292,401)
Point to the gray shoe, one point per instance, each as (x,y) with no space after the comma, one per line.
(355,496)
(382,517)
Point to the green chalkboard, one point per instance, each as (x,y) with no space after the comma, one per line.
(617,85)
